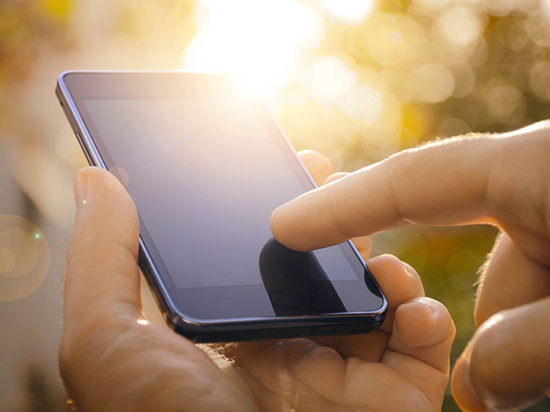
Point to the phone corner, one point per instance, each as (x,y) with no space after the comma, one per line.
(62,75)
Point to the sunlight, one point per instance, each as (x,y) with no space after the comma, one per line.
(327,80)
(330,83)
(349,12)
(266,41)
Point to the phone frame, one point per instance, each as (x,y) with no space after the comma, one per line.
(230,330)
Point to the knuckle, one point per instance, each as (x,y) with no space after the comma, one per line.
(82,345)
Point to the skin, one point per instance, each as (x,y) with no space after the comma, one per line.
(503,180)
(110,359)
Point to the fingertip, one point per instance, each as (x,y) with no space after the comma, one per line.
(290,226)
(318,165)
(423,322)
(399,281)
(385,266)
(80,185)
(278,223)
(104,207)
(90,172)
(334,177)
(86,169)
(363,245)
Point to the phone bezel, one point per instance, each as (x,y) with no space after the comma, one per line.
(176,318)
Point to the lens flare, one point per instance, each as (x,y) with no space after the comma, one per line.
(121,174)
(24,258)
(7,260)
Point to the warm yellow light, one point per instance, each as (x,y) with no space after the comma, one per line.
(327,80)
(270,42)
(395,39)
(458,26)
(266,41)
(330,83)
(349,12)
(435,83)
(364,103)
(430,6)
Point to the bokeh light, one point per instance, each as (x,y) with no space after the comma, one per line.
(327,80)
(435,83)
(459,28)
(539,79)
(395,39)
(121,174)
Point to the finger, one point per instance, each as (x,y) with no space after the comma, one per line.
(439,184)
(363,244)
(400,284)
(334,177)
(506,365)
(318,165)
(102,268)
(511,279)
(424,329)
(398,280)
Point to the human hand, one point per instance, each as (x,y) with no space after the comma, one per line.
(110,359)
(501,180)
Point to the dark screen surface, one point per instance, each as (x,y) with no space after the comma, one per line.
(206,167)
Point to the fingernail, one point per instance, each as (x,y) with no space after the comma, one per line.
(80,188)
(410,270)
(426,303)
(464,393)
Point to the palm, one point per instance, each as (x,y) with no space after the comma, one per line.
(349,373)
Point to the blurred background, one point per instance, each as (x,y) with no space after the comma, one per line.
(356,80)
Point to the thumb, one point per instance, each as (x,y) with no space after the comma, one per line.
(102,269)
(101,296)
(505,367)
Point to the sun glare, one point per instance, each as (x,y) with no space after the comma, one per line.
(349,12)
(265,41)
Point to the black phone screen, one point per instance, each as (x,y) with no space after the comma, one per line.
(205,173)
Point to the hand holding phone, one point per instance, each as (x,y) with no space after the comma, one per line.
(111,359)
(206,166)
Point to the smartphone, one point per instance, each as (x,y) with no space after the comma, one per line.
(206,166)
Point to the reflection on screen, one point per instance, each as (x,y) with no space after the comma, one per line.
(205,175)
